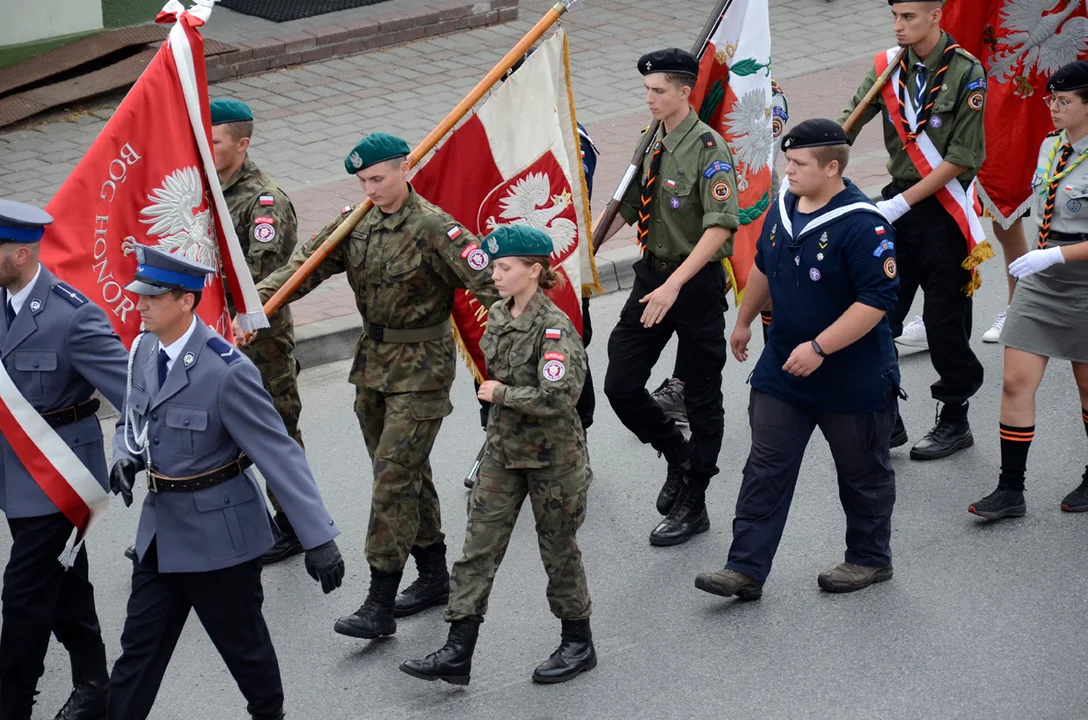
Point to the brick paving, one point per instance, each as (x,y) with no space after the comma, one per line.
(309,116)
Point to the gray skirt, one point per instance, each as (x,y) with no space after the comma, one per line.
(1049,312)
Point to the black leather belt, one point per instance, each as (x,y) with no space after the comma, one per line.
(69,415)
(379,333)
(157,482)
(1067,237)
(658,265)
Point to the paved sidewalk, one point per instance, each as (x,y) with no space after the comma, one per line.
(309,116)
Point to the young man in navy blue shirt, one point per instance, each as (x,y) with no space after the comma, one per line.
(826,261)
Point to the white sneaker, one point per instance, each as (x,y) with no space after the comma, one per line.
(914,334)
(994,333)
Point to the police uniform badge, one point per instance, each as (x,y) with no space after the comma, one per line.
(188,359)
(35,305)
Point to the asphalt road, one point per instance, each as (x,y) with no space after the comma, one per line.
(981,620)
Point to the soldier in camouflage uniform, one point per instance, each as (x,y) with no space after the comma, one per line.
(403,261)
(535,448)
(265,223)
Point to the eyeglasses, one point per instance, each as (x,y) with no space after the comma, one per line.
(1059,103)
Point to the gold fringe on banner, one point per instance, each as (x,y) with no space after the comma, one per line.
(980,254)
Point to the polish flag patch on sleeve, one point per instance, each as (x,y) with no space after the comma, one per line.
(266,200)
(880,230)
(454,232)
(553,333)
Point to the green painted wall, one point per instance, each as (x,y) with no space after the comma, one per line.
(119,13)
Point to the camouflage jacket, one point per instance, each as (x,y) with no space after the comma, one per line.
(539,359)
(267,229)
(403,269)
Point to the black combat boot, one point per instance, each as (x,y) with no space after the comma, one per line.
(374,619)
(278,715)
(679,461)
(685,520)
(431,588)
(285,542)
(91,682)
(574,656)
(452,662)
(951,434)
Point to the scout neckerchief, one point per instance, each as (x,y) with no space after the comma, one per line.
(962,204)
(647,195)
(934,90)
(1050,182)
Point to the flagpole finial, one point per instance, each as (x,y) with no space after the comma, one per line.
(568,4)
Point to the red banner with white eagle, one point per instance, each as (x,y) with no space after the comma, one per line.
(517,161)
(1021,43)
(733,96)
(149,178)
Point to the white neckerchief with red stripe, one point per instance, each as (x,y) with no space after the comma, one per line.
(61,475)
(962,204)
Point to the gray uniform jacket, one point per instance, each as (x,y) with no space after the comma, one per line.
(212,408)
(58,351)
(1071,198)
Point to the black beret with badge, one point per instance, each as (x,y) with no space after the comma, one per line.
(670,60)
(815,133)
(1073,76)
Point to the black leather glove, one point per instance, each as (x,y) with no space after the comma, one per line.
(324,563)
(123,478)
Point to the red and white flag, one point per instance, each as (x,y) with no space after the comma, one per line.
(149,178)
(518,162)
(1021,43)
(733,96)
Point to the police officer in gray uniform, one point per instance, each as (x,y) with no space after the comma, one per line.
(57,348)
(196,417)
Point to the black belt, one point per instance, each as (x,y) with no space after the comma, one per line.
(156,482)
(1067,237)
(69,415)
(379,333)
(658,265)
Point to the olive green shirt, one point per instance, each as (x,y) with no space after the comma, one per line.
(267,230)
(955,125)
(541,364)
(696,189)
(403,269)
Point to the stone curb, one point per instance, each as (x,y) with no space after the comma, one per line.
(363,35)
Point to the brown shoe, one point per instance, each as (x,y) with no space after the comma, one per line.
(848,577)
(729,582)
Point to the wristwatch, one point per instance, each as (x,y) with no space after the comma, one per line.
(819,350)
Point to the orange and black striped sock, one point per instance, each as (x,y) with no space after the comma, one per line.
(765,317)
(1015,443)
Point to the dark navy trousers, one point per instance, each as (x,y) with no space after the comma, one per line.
(861,446)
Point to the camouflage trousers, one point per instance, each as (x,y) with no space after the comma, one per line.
(400,430)
(275,359)
(558,497)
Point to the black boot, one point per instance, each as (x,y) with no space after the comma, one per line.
(679,462)
(899,432)
(278,715)
(951,434)
(285,542)
(574,655)
(452,662)
(685,520)
(374,619)
(431,588)
(91,682)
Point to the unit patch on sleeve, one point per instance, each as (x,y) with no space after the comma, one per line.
(476,258)
(883,247)
(554,370)
(264,232)
(889,267)
(720,191)
(454,232)
(555,356)
(975,100)
(716,167)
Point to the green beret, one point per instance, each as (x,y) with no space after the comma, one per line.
(229,110)
(373,149)
(514,240)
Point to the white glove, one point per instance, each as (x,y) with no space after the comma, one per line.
(893,209)
(1035,261)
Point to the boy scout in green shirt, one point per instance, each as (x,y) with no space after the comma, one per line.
(942,88)
(264,220)
(685,207)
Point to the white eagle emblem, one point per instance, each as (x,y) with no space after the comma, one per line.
(527,203)
(1037,41)
(175,216)
(751,134)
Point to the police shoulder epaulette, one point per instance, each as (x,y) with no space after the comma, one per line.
(224,349)
(708,140)
(73,296)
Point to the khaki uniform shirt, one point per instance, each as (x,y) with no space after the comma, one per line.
(696,189)
(955,125)
(267,230)
(539,359)
(1071,199)
(403,269)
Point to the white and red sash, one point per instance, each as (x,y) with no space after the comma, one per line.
(961,204)
(61,475)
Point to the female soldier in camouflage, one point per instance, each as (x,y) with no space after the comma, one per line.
(535,448)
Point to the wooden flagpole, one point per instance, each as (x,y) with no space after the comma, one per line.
(875,90)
